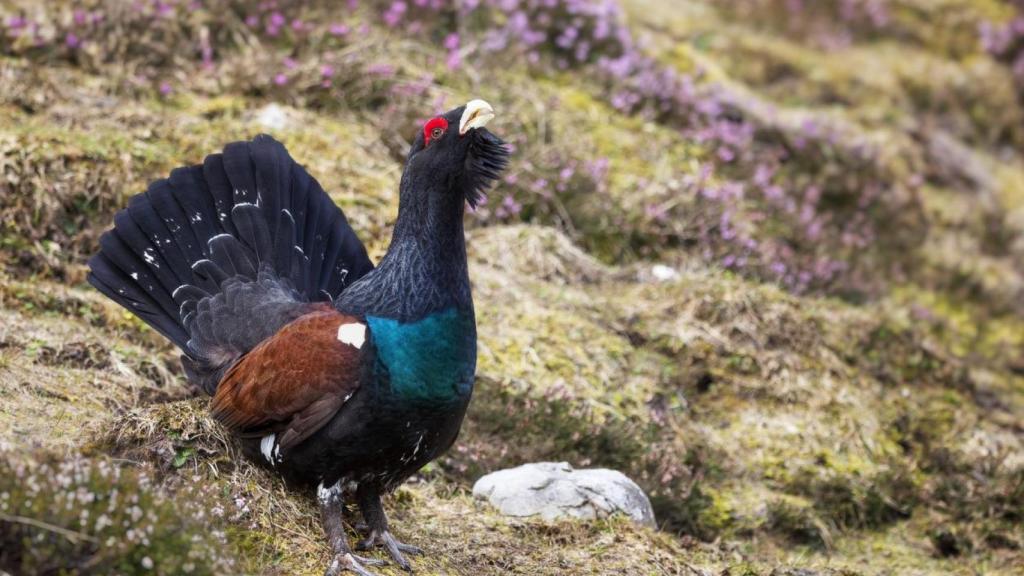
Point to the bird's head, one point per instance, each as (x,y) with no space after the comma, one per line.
(455,156)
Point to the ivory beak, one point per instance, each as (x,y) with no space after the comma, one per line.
(477,114)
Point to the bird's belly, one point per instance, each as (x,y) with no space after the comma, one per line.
(372,441)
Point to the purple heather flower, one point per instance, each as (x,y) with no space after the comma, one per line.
(510,206)
(338,29)
(163,9)
(454,60)
(274,23)
(451,42)
(72,40)
(381,69)
(280,79)
(395,13)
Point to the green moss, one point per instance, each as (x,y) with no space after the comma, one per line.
(850,497)
(716,514)
(799,522)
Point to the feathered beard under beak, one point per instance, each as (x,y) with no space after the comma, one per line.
(488,156)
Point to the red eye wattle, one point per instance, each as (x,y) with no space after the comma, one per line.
(434,130)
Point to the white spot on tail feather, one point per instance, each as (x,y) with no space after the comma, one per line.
(353,334)
(267,448)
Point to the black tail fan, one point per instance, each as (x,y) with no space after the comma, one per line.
(214,255)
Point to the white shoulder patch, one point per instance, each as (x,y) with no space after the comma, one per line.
(353,334)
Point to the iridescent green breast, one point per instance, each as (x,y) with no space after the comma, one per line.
(430,359)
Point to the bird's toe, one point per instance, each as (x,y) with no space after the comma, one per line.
(409,549)
(349,562)
(395,548)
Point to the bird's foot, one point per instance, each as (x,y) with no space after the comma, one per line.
(393,546)
(349,562)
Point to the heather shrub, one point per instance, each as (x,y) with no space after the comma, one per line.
(264,48)
(831,23)
(809,208)
(80,515)
(1005,41)
(813,210)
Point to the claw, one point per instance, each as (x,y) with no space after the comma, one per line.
(393,546)
(369,561)
(348,562)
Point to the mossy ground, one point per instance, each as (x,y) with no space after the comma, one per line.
(772,431)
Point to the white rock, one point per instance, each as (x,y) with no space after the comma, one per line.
(274,117)
(664,273)
(552,490)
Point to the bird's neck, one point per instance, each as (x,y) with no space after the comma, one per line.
(424,270)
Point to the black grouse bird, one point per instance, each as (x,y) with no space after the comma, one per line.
(333,373)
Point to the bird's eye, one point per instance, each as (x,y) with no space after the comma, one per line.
(434,130)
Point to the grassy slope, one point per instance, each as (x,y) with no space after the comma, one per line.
(773,430)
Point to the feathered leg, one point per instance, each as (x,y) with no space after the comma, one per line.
(332,506)
(373,512)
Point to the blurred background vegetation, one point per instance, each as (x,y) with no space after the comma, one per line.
(764,256)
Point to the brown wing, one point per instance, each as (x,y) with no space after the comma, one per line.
(294,381)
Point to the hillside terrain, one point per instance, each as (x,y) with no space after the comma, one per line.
(765,257)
